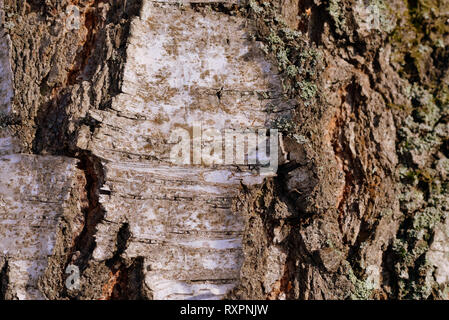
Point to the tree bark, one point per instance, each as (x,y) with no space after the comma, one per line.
(91,91)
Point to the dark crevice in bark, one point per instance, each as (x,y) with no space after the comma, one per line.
(123,236)
(389,276)
(341,154)
(50,123)
(130,283)
(80,254)
(126,277)
(319,17)
(300,215)
(92,24)
(85,243)
(445,148)
(4,280)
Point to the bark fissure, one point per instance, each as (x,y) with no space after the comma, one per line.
(94,213)
(4,279)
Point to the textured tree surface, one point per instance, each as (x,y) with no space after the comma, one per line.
(90,91)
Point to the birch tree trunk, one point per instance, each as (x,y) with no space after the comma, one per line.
(92,207)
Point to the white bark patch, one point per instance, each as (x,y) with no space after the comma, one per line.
(34,193)
(438,254)
(182,68)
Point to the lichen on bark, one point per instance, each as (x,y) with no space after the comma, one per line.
(395,72)
(358,88)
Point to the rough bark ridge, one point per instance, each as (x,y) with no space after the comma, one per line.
(358,208)
(366,206)
(59,73)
